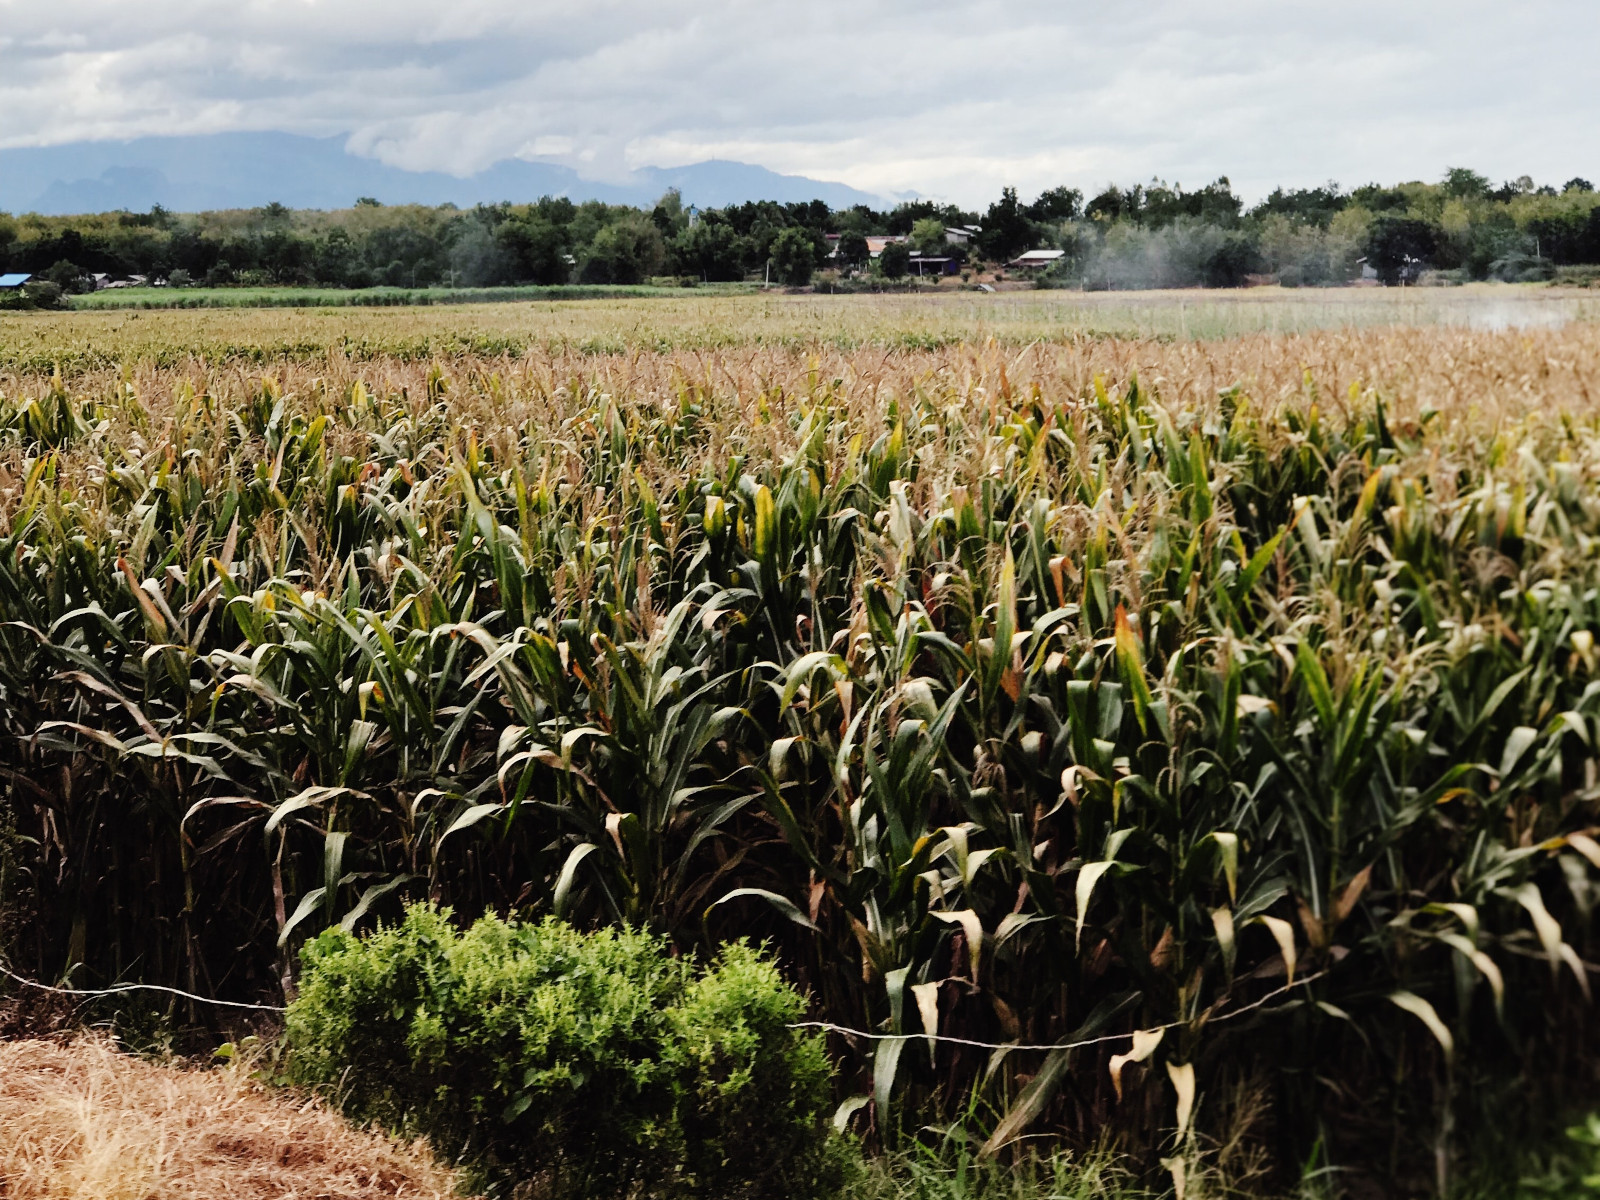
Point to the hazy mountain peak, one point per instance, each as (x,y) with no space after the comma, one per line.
(246,170)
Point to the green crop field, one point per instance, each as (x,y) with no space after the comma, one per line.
(1186,704)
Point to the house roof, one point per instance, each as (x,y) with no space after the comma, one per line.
(1037,258)
(14,280)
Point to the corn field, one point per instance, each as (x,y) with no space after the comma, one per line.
(1229,705)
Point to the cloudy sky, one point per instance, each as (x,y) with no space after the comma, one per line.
(948,98)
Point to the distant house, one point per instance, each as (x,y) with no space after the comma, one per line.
(10,283)
(1034,259)
(930,264)
(875,243)
(960,235)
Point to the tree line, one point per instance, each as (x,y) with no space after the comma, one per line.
(1147,235)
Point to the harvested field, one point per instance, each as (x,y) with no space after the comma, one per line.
(86,1122)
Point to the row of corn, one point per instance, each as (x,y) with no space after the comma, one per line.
(1221,739)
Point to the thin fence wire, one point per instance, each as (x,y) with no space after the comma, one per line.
(1094,1041)
(123,988)
(828,1026)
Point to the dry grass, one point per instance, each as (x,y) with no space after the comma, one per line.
(84,1122)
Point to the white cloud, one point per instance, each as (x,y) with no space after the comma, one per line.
(953,98)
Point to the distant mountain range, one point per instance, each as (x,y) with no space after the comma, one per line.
(247,170)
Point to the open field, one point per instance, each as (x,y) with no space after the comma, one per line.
(38,342)
(377,297)
(1018,682)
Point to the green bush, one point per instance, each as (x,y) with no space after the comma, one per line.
(584,1063)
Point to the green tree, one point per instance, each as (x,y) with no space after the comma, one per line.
(1055,205)
(668,215)
(895,260)
(1462,184)
(1006,231)
(710,250)
(538,248)
(1230,262)
(478,259)
(338,261)
(927,236)
(65,274)
(627,251)
(1115,204)
(794,256)
(1397,246)
(853,249)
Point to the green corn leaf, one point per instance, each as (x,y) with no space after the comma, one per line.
(782,903)
(309,903)
(885,1066)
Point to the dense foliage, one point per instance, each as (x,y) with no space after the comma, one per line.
(1157,235)
(590,1062)
(1248,733)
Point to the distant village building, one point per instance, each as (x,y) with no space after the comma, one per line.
(1034,259)
(918,263)
(13,281)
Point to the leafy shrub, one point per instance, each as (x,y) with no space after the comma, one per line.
(592,1064)
(39,293)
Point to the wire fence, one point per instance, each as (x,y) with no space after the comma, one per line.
(828,1026)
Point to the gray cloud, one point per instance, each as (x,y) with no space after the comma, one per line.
(950,98)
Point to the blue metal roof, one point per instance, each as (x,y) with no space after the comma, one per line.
(14,280)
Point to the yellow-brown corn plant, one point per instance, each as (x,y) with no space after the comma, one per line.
(1022,713)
